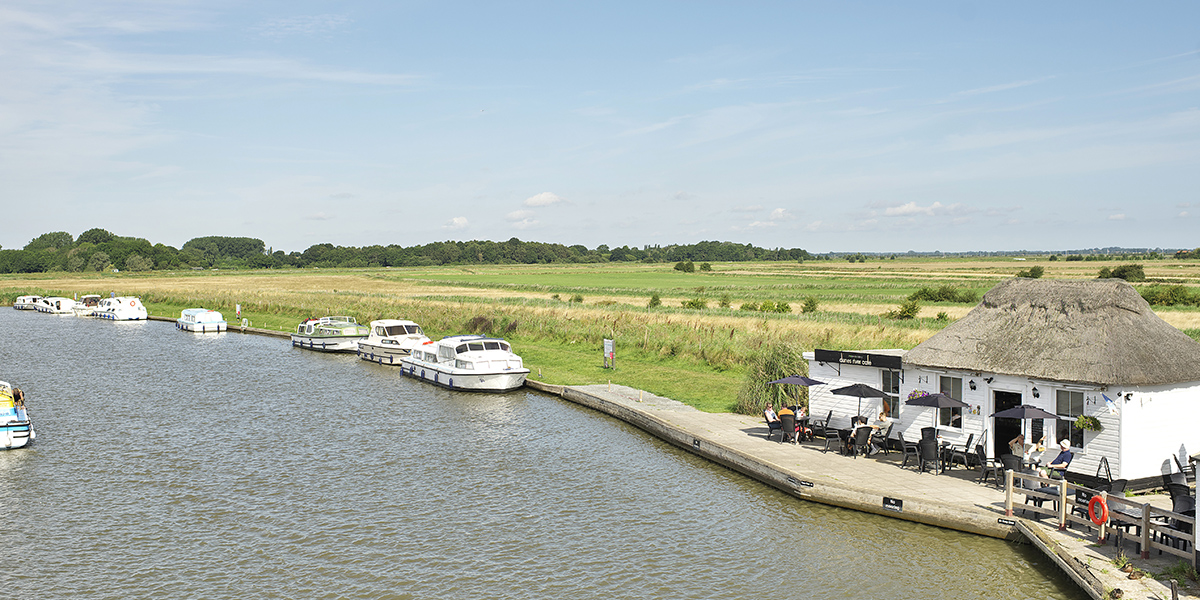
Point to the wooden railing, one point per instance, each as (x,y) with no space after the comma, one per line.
(1152,524)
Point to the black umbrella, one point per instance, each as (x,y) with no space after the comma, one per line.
(860,390)
(798,380)
(1024,412)
(938,400)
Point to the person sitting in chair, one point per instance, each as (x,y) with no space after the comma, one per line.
(1057,469)
(787,435)
(773,421)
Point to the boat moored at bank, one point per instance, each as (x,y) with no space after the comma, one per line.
(468,363)
(121,308)
(329,334)
(16,430)
(56,305)
(87,305)
(201,320)
(26,302)
(391,340)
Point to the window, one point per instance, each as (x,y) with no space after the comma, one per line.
(951,417)
(891,387)
(1068,406)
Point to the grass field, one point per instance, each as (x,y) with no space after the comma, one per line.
(697,356)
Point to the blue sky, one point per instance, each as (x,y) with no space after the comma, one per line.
(848,126)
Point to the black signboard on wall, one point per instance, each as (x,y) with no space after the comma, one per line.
(882,361)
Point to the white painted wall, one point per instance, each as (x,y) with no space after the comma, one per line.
(1154,424)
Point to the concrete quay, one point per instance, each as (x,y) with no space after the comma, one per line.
(877,485)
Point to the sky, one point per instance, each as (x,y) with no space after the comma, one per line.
(846,126)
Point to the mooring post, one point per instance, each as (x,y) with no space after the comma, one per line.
(1008,492)
(1062,505)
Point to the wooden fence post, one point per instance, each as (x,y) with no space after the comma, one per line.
(1008,492)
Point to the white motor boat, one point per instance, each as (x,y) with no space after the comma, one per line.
(121,308)
(26,302)
(468,363)
(87,305)
(201,320)
(56,305)
(390,340)
(329,334)
(16,430)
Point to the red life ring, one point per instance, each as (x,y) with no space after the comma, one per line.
(1102,517)
(133,302)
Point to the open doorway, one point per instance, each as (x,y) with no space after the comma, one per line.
(1004,430)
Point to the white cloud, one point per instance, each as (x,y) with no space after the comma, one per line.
(781,214)
(1118,217)
(911,208)
(543,199)
(1183,214)
(518,215)
(456,224)
(756,225)
(525,223)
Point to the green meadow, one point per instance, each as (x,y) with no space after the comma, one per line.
(557,315)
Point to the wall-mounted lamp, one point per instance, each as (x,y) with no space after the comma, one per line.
(971,383)
(989,379)
(1036,394)
(1129,396)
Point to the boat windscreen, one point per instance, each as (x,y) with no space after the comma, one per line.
(396,330)
(475,346)
(492,345)
(414,329)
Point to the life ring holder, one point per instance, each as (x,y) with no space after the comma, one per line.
(1102,517)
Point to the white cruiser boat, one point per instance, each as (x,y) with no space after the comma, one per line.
(390,340)
(26,302)
(87,305)
(16,430)
(467,362)
(56,305)
(329,334)
(121,308)
(201,320)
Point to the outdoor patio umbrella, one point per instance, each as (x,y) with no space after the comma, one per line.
(1024,412)
(938,400)
(798,380)
(860,390)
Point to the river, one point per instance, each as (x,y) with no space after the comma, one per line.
(175,465)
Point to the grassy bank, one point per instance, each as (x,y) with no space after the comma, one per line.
(697,356)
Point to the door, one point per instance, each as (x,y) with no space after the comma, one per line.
(1004,430)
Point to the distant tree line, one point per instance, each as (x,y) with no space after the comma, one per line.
(100,250)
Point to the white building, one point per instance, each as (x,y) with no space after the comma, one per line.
(1071,348)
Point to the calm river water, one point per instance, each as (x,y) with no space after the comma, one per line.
(172,465)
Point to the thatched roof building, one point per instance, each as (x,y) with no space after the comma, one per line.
(1098,331)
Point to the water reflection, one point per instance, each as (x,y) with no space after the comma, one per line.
(222,466)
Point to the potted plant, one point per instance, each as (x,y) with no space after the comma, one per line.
(1088,423)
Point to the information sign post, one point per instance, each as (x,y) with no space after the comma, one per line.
(610,356)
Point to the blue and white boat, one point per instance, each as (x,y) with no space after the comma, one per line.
(16,430)
(26,302)
(201,320)
(121,308)
(391,340)
(329,334)
(467,362)
(56,305)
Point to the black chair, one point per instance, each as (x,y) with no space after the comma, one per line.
(909,449)
(772,427)
(860,442)
(821,430)
(1012,462)
(928,451)
(929,433)
(1083,496)
(963,452)
(833,437)
(825,421)
(987,466)
(1170,479)
(880,438)
(789,428)
(1184,503)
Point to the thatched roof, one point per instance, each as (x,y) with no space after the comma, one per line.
(1098,331)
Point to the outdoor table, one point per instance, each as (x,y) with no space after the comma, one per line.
(803,423)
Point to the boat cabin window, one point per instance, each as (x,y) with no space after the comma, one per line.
(461,348)
(446,353)
(414,329)
(475,346)
(492,345)
(464,364)
(393,330)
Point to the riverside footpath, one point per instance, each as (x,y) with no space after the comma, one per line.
(953,499)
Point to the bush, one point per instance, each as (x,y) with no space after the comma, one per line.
(945,293)
(767,306)
(783,307)
(1032,273)
(697,303)
(775,361)
(685,266)
(577,299)
(705,267)
(1170,295)
(655,301)
(942,316)
(479,325)
(749,306)
(907,310)
(725,301)
(1129,273)
(809,306)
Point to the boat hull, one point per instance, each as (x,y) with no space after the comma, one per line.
(384,355)
(16,434)
(217,327)
(327,344)
(113,316)
(464,380)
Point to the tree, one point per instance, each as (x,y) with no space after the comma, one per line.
(685,266)
(99,262)
(51,241)
(705,267)
(136,263)
(655,301)
(95,236)
(1130,272)
(1032,273)
(907,310)
(809,306)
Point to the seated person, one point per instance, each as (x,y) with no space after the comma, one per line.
(882,425)
(860,422)
(784,410)
(1057,468)
(801,430)
(773,421)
